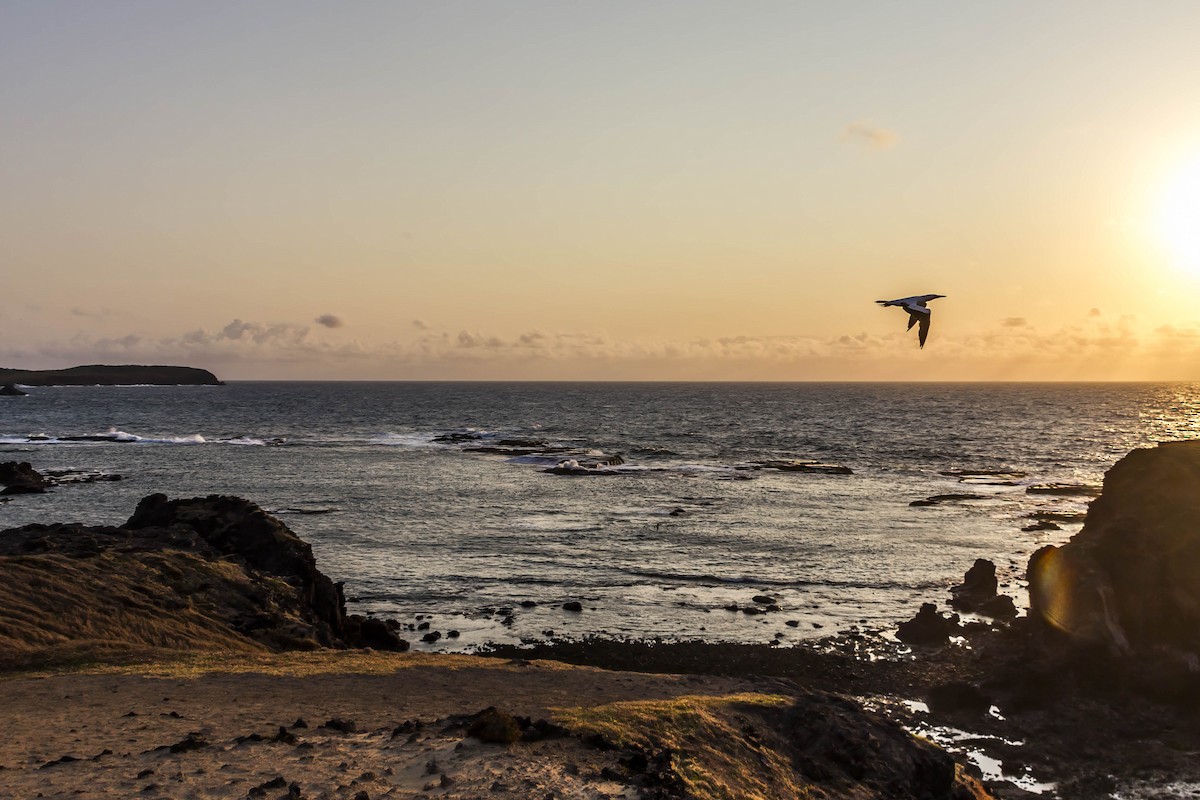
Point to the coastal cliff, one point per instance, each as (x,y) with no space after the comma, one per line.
(111,375)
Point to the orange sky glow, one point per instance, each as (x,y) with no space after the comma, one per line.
(602,191)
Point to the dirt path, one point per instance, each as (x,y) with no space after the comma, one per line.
(111,734)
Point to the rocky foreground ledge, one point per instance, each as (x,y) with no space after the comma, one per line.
(110,375)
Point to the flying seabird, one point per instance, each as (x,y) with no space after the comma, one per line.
(917,311)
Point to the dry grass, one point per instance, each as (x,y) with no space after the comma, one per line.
(722,745)
(155,663)
(155,601)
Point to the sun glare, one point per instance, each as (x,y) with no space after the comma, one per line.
(1178,217)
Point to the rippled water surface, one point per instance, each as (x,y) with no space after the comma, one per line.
(432,498)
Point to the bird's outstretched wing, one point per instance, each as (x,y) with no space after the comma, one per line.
(918,312)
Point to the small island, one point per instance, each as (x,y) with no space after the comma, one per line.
(111,375)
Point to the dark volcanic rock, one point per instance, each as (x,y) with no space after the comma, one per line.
(370,632)
(21,478)
(1064,489)
(928,628)
(11,390)
(858,754)
(812,467)
(958,697)
(239,528)
(977,593)
(999,607)
(979,584)
(1131,577)
(494,727)
(956,497)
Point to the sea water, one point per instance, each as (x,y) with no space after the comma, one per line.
(433,500)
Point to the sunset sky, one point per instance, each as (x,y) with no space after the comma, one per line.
(606,190)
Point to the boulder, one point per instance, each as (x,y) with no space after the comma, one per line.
(978,586)
(11,390)
(928,628)
(1130,579)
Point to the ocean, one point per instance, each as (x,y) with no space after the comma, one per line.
(674,503)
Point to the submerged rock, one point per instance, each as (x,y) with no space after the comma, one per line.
(1064,489)
(796,465)
(955,497)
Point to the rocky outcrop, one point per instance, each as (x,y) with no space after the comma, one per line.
(106,375)
(1131,578)
(205,573)
(978,593)
(811,744)
(21,478)
(11,390)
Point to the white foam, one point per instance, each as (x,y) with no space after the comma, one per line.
(122,436)
(248,441)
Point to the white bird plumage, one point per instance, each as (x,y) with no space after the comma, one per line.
(917,310)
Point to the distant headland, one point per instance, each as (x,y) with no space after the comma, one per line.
(111,375)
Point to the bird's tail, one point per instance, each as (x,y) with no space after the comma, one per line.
(883,302)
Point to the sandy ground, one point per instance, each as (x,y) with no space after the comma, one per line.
(109,733)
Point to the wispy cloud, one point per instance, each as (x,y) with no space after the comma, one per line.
(872,136)
(1090,349)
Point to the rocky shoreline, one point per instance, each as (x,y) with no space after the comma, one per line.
(1093,693)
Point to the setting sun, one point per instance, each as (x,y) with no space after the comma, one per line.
(1178,217)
